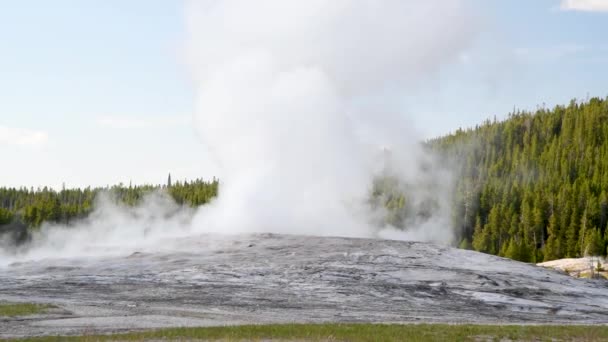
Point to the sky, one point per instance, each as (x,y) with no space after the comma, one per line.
(99,92)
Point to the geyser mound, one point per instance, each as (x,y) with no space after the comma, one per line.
(267,278)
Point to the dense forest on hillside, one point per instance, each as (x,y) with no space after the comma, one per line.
(532,187)
(24,210)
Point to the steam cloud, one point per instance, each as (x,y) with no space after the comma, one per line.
(280,89)
(283,94)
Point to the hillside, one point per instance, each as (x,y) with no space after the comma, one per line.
(533,187)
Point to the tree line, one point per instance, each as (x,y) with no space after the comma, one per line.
(24,210)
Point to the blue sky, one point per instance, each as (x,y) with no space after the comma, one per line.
(97,92)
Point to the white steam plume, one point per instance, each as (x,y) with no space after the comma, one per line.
(279,83)
(283,94)
(111,229)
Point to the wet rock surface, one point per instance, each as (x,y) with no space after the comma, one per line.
(266,278)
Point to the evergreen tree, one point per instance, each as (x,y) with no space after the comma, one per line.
(550,168)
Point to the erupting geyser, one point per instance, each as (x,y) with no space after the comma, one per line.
(283,91)
(280,91)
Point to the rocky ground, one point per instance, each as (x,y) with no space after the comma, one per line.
(588,267)
(264,278)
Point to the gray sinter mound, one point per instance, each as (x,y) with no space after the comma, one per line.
(275,279)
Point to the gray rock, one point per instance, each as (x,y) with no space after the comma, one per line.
(267,278)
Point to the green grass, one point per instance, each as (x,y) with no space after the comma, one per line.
(22,309)
(360,332)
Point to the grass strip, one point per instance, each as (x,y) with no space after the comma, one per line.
(22,309)
(358,332)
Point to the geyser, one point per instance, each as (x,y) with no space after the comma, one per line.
(283,94)
(280,93)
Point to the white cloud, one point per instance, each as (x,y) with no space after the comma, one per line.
(22,137)
(130,122)
(584,5)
